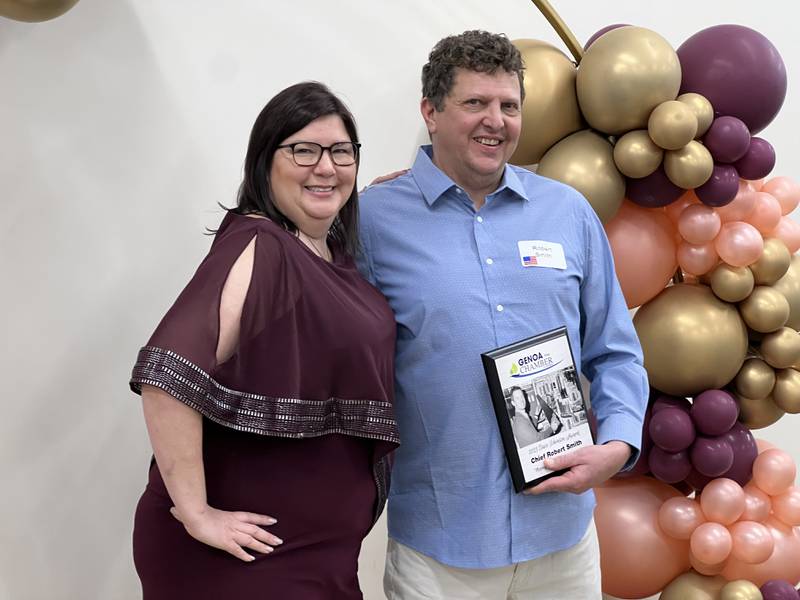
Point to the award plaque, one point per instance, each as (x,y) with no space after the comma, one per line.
(539,404)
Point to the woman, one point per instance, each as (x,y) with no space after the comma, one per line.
(525,432)
(267,387)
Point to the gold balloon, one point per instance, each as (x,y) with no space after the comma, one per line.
(765,310)
(585,161)
(34,11)
(789,286)
(636,155)
(692,341)
(755,379)
(741,589)
(672,125)
(781,349)
(732,284)
(550,111)
(693,586)
(623,76)
(773,264)
(702,109)
(786,394)
(690,166)
(757,413)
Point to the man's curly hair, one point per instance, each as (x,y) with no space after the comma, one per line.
(476,50)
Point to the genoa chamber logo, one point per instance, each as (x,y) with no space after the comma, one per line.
(532,364)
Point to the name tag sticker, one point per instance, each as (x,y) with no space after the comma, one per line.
(538,253)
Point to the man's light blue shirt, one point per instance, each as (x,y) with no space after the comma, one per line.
(455,280)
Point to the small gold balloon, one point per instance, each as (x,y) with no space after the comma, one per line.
(672,125)
(786,393)
(34,11)
(585,161)
(702,109)
(689,167)
(755,379)
(550,111)
(741,589)
(691,340)
(773,264)
(693,586)
(636,155)
(789,286)
(765,310)
(781,348)
(623,76)
(732,284)
(757,413)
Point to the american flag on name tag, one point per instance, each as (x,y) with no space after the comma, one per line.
(529,261)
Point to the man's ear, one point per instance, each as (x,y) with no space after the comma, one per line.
(428,111)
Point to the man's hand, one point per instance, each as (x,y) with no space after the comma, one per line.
(588,467)
(385,178)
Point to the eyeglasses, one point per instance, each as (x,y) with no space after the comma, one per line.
(308,154)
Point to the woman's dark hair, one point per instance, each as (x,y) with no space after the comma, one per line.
(288,112)
(513,409)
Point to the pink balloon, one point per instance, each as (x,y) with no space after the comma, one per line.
(675,209)
(763,444)
(766,213)
(783,563)
(786,506)
(786,192)
(788,231)
(756,184)
(739,244)
(741,206)
(697,260)
(774,471)
(752,542)
(711,543)
(679,517)
(705,569)
(757,504)
(699,224)
(722,501)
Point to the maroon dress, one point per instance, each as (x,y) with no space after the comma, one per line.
(297,424)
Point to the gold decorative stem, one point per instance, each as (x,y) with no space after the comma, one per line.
(561,28)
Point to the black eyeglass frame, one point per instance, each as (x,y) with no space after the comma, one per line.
(356,145)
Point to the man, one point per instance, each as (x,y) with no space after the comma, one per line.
(444,244)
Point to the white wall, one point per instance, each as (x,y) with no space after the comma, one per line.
(122,124)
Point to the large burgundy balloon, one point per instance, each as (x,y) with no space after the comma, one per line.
(663,401)
(758,161)
(655,190)
(744,453)
(672,429)
(669,467)
(727,139)
(602,31)
(711,456)
(738,70)
(697,480)
(721,188)
(714,412)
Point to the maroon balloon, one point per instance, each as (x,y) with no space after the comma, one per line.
(721,188)
(738,70)
(672,429)
(758,161)
(711,456)
(727,139)
(664,401)
(778,589)
(697,480)
(669,467)
(714,412)
(745,452)
(600,32)
(655,190)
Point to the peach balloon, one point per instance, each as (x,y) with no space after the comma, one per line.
(722,501)
(697,260)
(786,506)
(699,224)
(788,231)
(679,517)
(711,543)
(741,206)
(766,213)
(739,244)
(786,192)
(675,209)
(783,563)
(763,444)
(752,542)
(774,471)
(704,568)
(643,243)
(626,516)
(757,504)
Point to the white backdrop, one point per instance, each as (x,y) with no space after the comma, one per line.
(122,124)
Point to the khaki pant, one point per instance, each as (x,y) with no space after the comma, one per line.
(571,574)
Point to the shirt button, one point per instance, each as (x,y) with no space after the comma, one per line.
(500,308)
(489,261)
(479,219)
(458,191)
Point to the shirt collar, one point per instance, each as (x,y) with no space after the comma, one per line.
(433,183)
